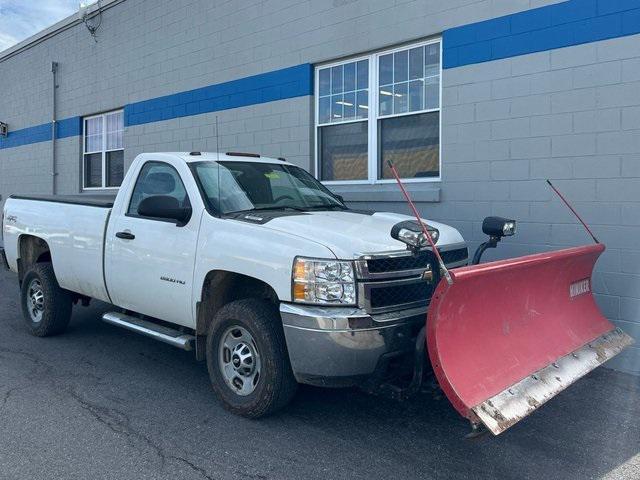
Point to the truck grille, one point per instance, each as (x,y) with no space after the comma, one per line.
(412,262)
(416,294)
(455,256)
(395,281)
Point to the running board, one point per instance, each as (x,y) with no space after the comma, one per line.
(168,335)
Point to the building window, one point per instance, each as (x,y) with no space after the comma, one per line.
(103,153)
(343,118)
(380,107)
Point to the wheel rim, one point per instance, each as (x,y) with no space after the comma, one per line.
(35,300)
(239,360)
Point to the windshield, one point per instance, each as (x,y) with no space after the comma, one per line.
(231,187)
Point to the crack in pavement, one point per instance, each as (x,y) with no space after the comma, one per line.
(49,371)
(30,356)
(115,420)
(206,475)
(7,395)
(194,467)
(118,422)
(46,370)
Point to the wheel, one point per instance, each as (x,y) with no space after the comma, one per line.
(247,359)
(45,306)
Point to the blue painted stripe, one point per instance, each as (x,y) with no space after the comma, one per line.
(68,127)
(25,136)
(266,87)
(555,26)
(281,84)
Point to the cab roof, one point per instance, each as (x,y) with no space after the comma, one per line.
(191,157)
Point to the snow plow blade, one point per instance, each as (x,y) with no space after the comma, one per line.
(507,336)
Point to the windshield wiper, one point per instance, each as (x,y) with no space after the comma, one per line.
(258,209)
(290,207)
(327,207)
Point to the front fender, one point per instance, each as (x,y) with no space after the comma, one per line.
(251,250)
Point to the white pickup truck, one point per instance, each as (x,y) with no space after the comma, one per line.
(247,260)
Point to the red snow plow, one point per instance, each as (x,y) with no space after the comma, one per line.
(505,337)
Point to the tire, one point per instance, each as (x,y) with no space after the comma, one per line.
(54,304)
(245,395)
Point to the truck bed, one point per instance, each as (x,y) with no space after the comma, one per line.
(103,201)
(74,229)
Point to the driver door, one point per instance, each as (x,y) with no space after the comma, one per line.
(151,262)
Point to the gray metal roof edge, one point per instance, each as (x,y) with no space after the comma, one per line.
(53,30)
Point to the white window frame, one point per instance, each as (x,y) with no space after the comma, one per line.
(372,164)
(103,150)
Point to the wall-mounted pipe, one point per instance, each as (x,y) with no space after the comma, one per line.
(54,86)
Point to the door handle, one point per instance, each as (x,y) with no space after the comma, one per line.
(125,235)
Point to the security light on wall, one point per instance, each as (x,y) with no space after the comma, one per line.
(83,8)
(91,20)
(4,129)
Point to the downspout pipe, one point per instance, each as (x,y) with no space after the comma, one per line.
(54,77)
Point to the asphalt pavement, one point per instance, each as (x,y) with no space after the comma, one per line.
(100,402)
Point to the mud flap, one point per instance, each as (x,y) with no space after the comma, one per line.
(507,336)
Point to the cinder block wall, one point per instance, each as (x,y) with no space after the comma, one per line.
(570,114)
(145,51)
(279,129)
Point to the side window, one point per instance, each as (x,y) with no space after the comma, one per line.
(157,178)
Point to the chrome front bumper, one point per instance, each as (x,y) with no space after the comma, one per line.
(341,346)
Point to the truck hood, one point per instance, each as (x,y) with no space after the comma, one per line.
(350,234)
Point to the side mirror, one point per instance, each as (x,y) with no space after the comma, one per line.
(165,207)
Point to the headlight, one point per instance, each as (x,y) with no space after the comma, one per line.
(326,282)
